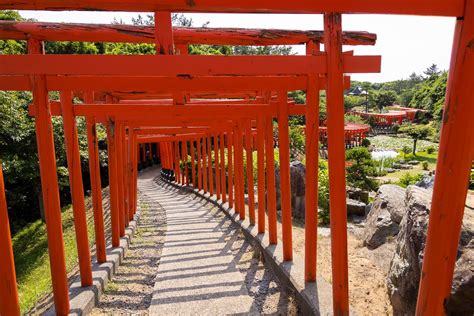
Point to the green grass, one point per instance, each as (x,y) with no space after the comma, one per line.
(423,156)
(30,247)
(399,174)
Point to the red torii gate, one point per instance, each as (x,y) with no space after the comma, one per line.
(456,148)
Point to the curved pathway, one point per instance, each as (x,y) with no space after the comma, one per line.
(187,258)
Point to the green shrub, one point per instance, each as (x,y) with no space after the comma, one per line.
(471,182)
(371,121)
(406,150)
(297,141)
(362,167)
(430,150)
(395,127)
(323,192)
(409,179)
(425,165)
(365,142)
(350,118)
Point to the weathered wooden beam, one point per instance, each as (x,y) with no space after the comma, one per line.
(416,7)
(336,161)
(182,35)
(181,66)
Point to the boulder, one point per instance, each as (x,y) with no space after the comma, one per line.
(427,182)
(298,188)
(413,162)
(355,207)
(461,300)
(404,273)
(358,194)
(277,188)
(385,215)
(405,268)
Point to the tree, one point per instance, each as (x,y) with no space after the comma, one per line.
(262,50)
(430,95)
(384,99)
(417,132)
(432,71)
(352,101)
(360,169)
(415,79)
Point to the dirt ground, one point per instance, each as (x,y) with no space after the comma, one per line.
(367,269)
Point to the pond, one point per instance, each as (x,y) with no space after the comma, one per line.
(382,154)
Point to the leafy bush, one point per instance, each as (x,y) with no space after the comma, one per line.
(323,192)
(371,121)
(425,165)
(471,182)
(406,150)
(349,118)
(365,142)
(430,150)
(297,141)
(395,127)
(380,166)
(409,179)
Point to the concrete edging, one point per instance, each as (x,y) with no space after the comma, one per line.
(83,299)
(314,298)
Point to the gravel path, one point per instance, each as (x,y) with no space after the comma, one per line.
(131,289)
(130,292)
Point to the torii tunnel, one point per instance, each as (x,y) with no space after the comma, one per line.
(389,118)
(195,105)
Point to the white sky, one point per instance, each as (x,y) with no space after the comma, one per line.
(406,43)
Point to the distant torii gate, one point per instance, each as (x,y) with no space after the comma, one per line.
(181,78)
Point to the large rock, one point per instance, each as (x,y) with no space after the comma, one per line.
(355,207)
(405,268)
(358,194)
(385,215)
(298,188)
(461,301)
(404,273)
(427,182)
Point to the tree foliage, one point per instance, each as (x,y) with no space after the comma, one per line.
(360,168)
(426,91)
(417,132)
(384,98)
